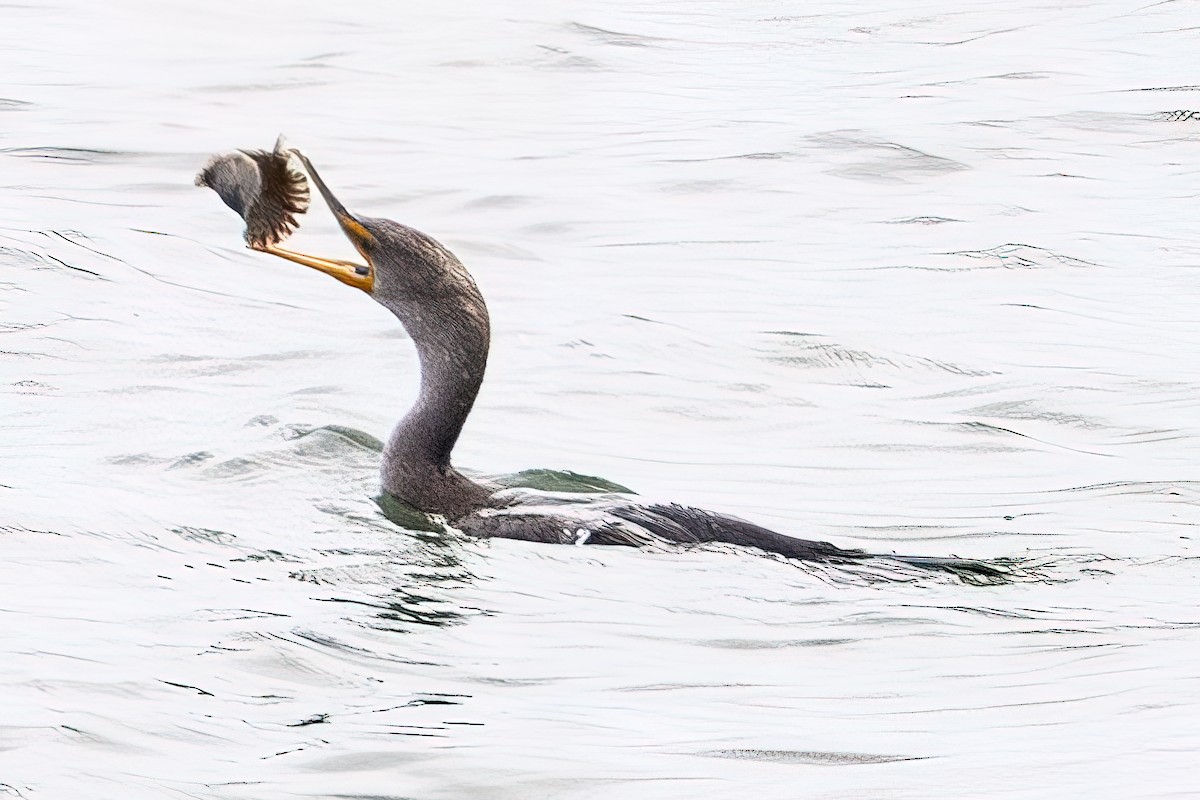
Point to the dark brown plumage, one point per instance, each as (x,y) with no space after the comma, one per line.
(434,297)
(263,187)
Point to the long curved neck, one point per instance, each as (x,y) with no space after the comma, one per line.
(452,343)
(452,335)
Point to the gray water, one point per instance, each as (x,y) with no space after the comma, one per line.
(916,279)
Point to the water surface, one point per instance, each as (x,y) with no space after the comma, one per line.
(913,279)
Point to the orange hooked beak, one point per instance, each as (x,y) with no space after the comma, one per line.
(360,276)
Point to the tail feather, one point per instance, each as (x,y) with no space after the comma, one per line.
(686,525)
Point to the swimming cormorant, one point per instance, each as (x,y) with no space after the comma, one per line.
(434,297)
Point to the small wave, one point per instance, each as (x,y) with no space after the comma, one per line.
(832,759)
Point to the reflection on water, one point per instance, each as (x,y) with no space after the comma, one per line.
(915,280)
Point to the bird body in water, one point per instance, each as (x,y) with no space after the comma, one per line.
(436,300)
